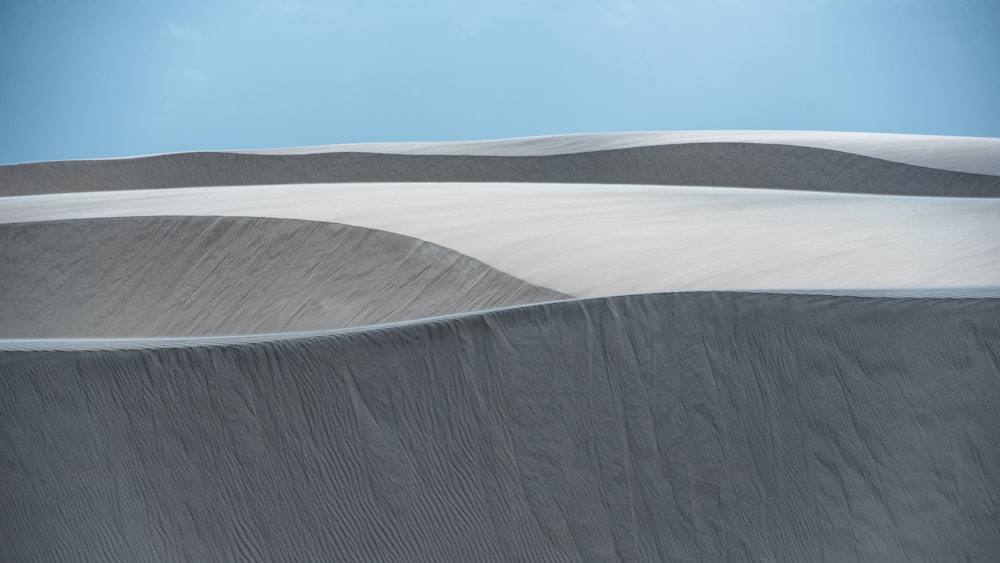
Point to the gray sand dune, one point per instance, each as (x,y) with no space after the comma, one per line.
(184,276)
(753,165)
(979,155)
(685,427)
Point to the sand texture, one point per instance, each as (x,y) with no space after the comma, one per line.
(187,276)
(668,346)
(685,427)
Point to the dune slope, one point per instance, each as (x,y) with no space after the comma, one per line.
(186,276)
(715,427)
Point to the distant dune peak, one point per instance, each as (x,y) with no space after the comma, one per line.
(925,167)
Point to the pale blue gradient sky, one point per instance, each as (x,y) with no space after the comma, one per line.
(98,78)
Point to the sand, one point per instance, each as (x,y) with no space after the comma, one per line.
(683,427)
(752,165)
(186,276)
(593,240)
(384,355)
(978,155)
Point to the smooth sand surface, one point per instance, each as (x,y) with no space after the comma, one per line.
(979,155)
(674,427)
(185,276)
(751,165)
(592,240)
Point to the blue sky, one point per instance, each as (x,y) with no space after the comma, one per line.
(97,78)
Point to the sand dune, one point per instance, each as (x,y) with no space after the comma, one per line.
(754,165)
(660,427)
(978,155)
(184,276)
(431,389)
(592,240)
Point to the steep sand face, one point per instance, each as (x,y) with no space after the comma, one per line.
(185,276)
(681,427)
(753,165)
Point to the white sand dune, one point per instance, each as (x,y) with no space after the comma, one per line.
(592,240)
(829,392)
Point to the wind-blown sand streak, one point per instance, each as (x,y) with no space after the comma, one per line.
(751,165)
(687,427)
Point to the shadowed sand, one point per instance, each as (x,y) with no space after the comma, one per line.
(185,276)
(752,165)
(681,427)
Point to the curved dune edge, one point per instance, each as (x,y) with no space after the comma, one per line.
(187,276)
(594,240)
(109,343)
(751,165)
(650,427)
(977,155)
